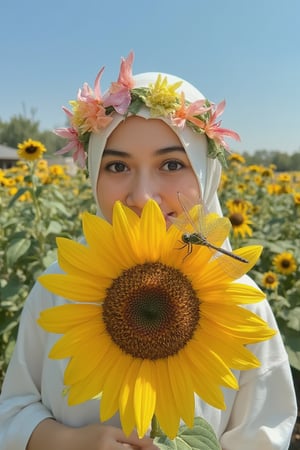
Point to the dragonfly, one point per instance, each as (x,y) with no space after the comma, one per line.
(201,230)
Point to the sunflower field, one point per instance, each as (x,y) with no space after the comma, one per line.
(39,201)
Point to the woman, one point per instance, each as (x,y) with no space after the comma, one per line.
(137,150)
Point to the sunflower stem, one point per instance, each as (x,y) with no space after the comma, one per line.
(156,431)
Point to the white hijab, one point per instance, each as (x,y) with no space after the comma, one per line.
(207,170)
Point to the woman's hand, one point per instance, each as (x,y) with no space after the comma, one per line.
(50,435)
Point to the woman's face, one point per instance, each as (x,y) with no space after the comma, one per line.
(144,159)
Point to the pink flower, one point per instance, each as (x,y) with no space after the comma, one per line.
(90,116)
(125,75)
(119,96)
(86,94)
(79,155)
(190,113)
(89,112)
(213,129)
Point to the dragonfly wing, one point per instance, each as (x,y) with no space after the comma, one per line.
(193,213)
(230,266)
(216,229)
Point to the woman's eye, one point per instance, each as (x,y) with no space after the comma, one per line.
(116,167)
(172,165)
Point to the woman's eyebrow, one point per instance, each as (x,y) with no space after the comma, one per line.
(161,151)
(173,148)
(115,153)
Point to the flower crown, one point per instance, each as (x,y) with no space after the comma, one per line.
(92,112)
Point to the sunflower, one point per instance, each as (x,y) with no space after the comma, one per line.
(31,150)
(296,197)
(236,158)
(270,280)
(274,189)
(150,325)
(285,263)
(240,220)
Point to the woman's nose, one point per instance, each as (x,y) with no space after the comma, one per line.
(142,190)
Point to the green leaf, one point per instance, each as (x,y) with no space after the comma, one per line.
(16,249)
(12,287)
(200,437)
(54,227)
(18,194)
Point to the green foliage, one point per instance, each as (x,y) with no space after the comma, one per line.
(271,202)
(200,437)
(37,203)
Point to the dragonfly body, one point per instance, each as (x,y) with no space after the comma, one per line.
(199,234)
(196,238)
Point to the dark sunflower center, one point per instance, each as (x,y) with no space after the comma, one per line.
(236,219)
(270,279)
(285,263)
(151,311)
(31,149)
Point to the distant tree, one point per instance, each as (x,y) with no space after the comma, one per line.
(17,130)
(20,128)
(282,161)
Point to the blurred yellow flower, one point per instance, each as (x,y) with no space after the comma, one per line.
(285,263)
(270,280)
(297,198)
(31,150)
(240,221)
(236,158)
(274,189)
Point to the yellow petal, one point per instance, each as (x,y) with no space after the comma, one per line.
(126,396)
(232,293)
(144,396)
(153,227)
(166,410)
(182,389)
(203,386)
(224,268)
(205,357)
(71,342)
(100,237)
(238,321)
(92,385)
(62,318)
(75,288)
(76,258)
(112,386)
(126,234)
(233,352)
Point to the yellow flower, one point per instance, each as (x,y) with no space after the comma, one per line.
(240,220)
(270,280)
(284,177)
(240,203)
(162,98)
(254,168)
(57,170)
(297,198)
(267,172)
(148,325)
(285,263)
(274,189)
(31,150)
(236,158)
(42,164)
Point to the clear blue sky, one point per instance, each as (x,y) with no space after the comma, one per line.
(246,51)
